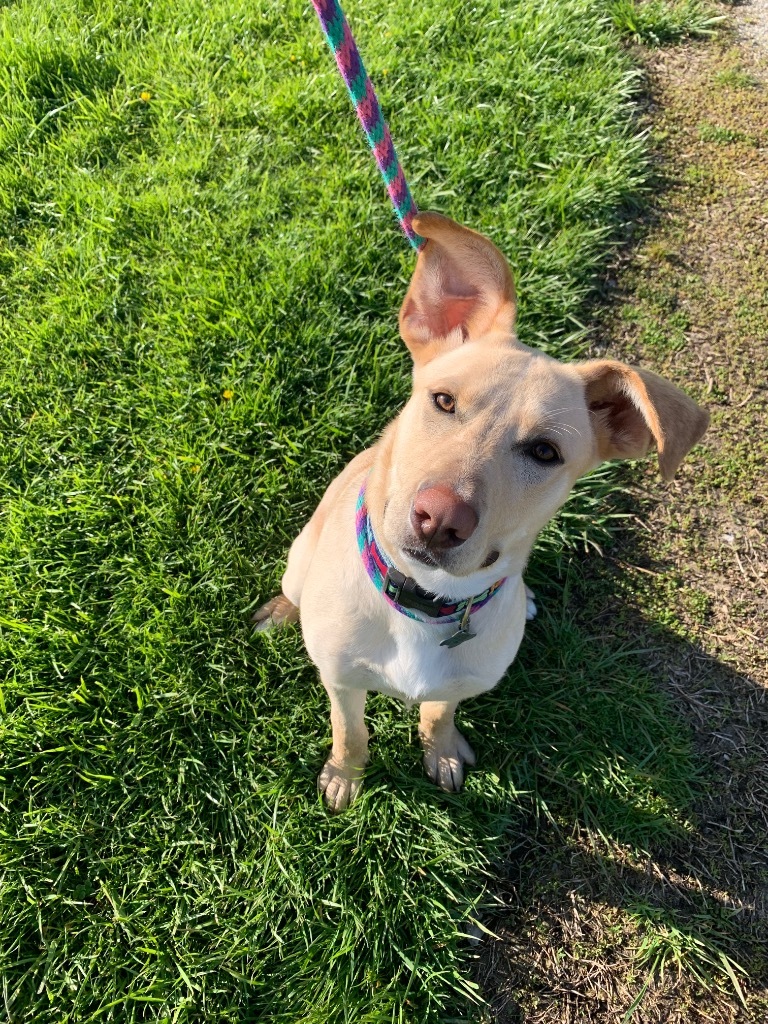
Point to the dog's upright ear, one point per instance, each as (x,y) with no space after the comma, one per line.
(632,409)
(461,289)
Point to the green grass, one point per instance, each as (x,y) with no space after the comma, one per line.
(660,22)
(163,853)
(735,78)
(669,946)
(709,132)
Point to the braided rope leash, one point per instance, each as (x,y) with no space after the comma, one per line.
(341,41)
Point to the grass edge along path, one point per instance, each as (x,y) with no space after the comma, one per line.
(200,277)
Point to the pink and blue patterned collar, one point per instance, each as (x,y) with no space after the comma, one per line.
(403,592)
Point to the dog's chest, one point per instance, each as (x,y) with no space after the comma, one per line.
(412,665)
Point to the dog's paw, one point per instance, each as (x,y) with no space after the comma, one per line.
(339,785)
(275,613)
(444,760)
(530,604)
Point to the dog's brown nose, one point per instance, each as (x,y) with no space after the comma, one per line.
(442,518)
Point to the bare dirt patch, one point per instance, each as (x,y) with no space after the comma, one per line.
(687,583)
(751,21)
(693,303)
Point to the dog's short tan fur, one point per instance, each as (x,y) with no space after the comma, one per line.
(458,323)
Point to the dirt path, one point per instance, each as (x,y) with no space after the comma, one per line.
(752,27)
(693,304)
(688,579)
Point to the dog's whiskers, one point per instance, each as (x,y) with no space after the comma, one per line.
(560,426)
(562,429)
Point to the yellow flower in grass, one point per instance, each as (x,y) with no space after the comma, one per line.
(227,394)
(145,96)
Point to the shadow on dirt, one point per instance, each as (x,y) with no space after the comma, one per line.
(613,895)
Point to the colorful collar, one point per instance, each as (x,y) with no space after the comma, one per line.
(403,592)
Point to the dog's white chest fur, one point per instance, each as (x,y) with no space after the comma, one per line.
(408,662)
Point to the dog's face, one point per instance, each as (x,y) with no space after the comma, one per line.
(492,440)
(495,434)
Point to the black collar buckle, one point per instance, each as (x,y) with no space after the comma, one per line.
(404,590)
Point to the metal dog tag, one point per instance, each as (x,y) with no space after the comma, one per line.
(459,637)
(462,634)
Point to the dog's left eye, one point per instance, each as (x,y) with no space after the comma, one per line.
(444,401)
(544,452)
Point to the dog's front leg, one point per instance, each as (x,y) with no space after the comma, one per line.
(342,774)
(445,749)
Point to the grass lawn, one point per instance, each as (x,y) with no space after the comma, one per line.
(199,281)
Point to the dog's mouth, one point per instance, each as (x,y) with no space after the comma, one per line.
(435,559)
(423,556)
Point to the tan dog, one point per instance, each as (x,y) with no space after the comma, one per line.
(449,503)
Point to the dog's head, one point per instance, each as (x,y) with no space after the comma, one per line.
(495,434)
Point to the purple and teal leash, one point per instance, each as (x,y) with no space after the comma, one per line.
(363,96)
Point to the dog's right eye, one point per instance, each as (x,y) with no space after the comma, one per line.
(544,452)
(444,401)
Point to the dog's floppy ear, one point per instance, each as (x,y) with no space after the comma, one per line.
(461,289)
(632,409)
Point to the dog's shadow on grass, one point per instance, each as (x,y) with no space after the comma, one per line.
(644,766)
